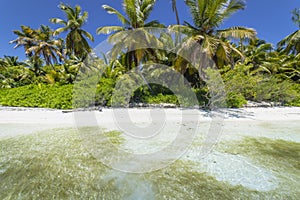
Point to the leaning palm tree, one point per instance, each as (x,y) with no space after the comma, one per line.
(26,38)
(76,42)
(291,43)
(39,43)
(137,14)
(207,17)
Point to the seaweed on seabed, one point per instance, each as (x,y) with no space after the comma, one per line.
(280,156)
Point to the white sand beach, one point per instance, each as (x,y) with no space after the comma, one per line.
(58,117)
(114,119)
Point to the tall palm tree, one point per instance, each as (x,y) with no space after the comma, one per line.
(76,42)
(137,14)
(46,46)
(39,43)
(291,43)
(208,16)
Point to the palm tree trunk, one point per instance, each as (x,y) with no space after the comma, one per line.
(174,7)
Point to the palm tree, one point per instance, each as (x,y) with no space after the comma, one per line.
(291,43)
(46,46)
(76,42)
(207,16)
(283,66)
(35,64)
(137,14)
(39,43)
(12,61)
(26,38)
(257,52)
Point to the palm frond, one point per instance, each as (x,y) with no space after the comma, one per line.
(58,21)
(232,6)
(182,29)
(87,34)
(109,29)
(291,43)
(59,30)
(237,32)
(154,23)
(111,10)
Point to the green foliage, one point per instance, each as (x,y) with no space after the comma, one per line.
(16,76)
(241,81)
(235,100)
(241,84)
(295,101)
(160,94)
(123,91)
(104,91)
(257,71)
(45,96)
(273,89)
(160,98)
(39,43)
(202,95)
(216,89)
(76,43)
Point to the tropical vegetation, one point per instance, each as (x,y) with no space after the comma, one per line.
(252,69)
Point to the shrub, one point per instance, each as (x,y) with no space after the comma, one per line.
(296,99)
(160,98)
(241,82)
(16,76)
(273,89)
(104,91)
(235,100)
(45,96)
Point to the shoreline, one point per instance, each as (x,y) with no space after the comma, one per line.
(23,115)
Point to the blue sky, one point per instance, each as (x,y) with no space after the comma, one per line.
(271,18)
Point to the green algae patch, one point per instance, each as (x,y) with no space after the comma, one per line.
(180,181)
(51,165)
(281,157)
(273,153)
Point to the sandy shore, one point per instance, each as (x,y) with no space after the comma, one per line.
(144,121)
(41,116)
